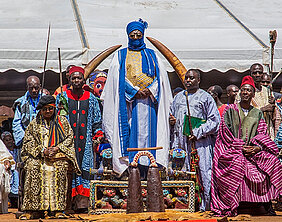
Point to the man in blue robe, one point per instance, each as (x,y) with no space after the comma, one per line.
(136,97)
(202,106)
(25,108)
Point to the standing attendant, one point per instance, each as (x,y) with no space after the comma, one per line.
(216,92)
(263,99)
(231,92)
(25,108)
(85,119)
(202,106)
(25,112)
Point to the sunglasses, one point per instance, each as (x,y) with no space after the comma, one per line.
(135,34)
(49,108)
(257,72)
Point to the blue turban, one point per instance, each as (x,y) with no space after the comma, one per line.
(136,44)
(137,25)
(139,45)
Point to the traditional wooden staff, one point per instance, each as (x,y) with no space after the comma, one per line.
(45,60)
(272,38)
(194,159)
(60,67)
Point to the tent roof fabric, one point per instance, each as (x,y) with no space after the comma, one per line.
(200,32)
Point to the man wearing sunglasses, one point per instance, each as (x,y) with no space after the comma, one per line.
(136,99)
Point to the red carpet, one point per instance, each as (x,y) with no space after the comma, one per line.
(203,220)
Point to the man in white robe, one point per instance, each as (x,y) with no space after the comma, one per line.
(137,98)
(6,160)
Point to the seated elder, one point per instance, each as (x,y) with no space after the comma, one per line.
(47,153)
(245,167)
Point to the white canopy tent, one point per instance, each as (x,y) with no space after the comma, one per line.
(200,32)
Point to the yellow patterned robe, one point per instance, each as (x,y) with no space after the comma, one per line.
(134,70)
(45,186)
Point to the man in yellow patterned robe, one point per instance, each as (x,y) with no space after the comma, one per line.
(47,152)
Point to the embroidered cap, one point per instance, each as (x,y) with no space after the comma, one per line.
(248,80)
(76,69)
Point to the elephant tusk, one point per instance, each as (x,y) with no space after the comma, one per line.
(98,59)
(171,58)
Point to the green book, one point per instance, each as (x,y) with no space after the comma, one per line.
(195,121)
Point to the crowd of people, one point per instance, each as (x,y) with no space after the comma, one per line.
(56,138)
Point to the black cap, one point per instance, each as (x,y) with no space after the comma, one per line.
(45,100)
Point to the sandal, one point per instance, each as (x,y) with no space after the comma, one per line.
(60,215)
(26,216)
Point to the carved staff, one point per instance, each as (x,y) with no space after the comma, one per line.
(272,37)
(46,57)
(189,120)
(93,64)
(63,104)
(194,159)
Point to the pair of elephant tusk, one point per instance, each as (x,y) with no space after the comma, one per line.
(171,58)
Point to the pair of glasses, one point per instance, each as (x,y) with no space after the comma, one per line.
(135,34)
(49,108)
